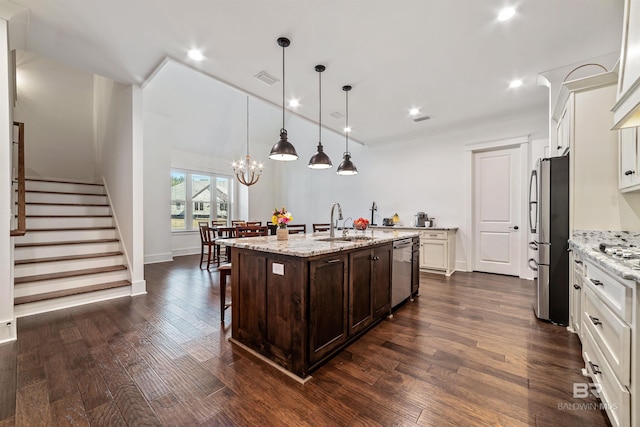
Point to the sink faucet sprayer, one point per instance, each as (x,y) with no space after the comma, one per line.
(332,227)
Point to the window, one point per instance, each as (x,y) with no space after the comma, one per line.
(198,197)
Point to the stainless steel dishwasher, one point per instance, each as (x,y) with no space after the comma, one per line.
(401,279)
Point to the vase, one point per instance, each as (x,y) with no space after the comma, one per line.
(282,233)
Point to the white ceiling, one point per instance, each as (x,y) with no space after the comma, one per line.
(450,58)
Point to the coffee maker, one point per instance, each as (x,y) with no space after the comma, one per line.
(421,219)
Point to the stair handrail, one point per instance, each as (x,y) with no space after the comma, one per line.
(21,226)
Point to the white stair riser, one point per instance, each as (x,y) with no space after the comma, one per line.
(44,286)
(65,198)
(53,222)
(64,250)
(67,210)
(63,187)
(22,270)
(70,301)
(62,236)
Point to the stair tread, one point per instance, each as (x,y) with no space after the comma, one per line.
(71,229)
(74,193)
(62,181)
(66,258)
(66,204)
(69,292)
(68,242)
(66,274)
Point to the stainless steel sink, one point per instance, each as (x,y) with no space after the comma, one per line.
(346,239)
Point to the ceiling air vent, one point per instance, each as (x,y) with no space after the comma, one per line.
(337,115)
(266,78)
(419,119)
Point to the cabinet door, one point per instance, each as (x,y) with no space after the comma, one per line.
(381,280)
(433,254)
(360,298)
(628,157)
(563,136)
(249,324)
(328,289)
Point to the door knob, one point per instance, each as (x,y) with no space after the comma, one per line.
(515,227)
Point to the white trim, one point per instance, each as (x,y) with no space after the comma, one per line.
(461,266)
(139,287)
(522,143)
(8,331)
(115,220)
(153,259)
(186,251)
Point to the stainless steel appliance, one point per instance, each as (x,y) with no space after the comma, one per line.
(549,217)
(421,219)
(401,276)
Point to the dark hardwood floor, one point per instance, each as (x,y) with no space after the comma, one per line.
(467,352)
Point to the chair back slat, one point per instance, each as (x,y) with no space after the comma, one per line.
(251,230)
(297,228)
(321,227)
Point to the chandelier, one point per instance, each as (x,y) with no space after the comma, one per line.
(247,171)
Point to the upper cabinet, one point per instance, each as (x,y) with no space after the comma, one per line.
(629,162)
(626,111)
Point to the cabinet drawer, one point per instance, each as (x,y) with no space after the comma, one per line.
(611,334)
(614,396)
(615,295)
(578,266)
(434,234)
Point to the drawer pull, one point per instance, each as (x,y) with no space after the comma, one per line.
(594,368)
(630,172)
(595,320)
(577,261)
(597,282)
(333,261)
(576,287)
(433,235)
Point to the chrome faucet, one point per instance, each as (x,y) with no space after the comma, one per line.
(332,227)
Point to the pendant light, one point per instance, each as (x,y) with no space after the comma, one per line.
(247,171)
(347,167)
(283,150)
(320,160)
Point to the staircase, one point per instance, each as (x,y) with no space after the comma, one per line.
(70,254)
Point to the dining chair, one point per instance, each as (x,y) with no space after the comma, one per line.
(235,222)
(218,223)
(321,227)
(207,240)
(251,230)
(297,228)
(223,234)
(253,223)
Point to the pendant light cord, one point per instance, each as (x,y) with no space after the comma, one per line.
(283,80)
(247,125)
(320,108)
(346,131)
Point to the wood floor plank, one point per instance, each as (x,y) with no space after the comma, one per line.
(469,351)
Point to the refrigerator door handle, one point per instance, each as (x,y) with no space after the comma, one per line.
(531,266)
(533,201)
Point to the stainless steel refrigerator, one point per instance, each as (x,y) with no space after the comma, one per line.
(549,218)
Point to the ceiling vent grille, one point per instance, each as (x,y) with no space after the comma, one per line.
(266,78)
(419,119)
(337,115)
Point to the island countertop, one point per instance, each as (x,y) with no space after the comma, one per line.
(312,244)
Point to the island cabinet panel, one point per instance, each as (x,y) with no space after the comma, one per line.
(360,295)
(250,322)
(328,290)
(381,280)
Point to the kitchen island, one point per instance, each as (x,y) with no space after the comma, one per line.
(297,302)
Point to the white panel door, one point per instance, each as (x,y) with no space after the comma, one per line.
(497,211)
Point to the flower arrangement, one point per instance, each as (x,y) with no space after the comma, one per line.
(361,224)
(281,217)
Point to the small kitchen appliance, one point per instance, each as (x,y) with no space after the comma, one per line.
(387,221)
(422,219)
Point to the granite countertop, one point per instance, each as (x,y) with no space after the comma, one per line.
(310,244)
(587,242)
(402,227)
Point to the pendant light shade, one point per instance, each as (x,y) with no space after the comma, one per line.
(320,160)
(283,150)
(347,167)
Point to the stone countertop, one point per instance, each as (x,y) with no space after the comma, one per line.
(587,242)
(402,227)
(310,244)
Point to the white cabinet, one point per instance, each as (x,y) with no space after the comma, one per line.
(628,170)
(563,129)
(626,111)
(576,285)
(438,251)
(609,326)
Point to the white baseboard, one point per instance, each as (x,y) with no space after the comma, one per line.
(8,331)
(461,266)
(139,287)
(152,259)
(186,251)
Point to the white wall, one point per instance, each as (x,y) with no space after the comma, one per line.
(118,124)
(55,102)
(7,322)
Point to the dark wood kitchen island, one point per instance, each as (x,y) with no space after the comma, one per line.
(297,302)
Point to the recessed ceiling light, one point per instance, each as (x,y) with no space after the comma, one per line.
(294,103)
(195,54)
(414,111)
(506,14)
(348,129)
(515,83)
